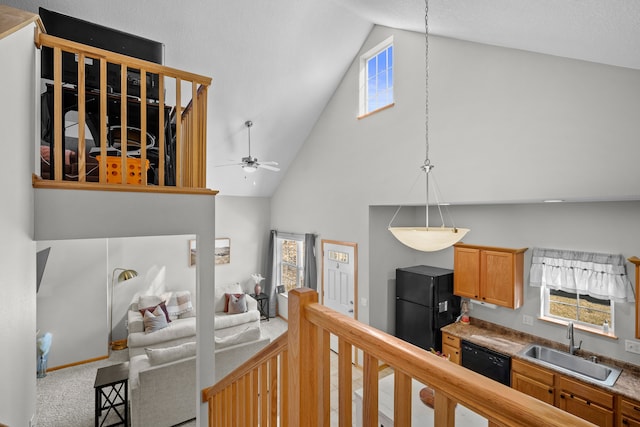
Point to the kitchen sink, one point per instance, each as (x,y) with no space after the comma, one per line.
(562,361)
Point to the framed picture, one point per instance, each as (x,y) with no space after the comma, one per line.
(223,251)
(192,252)
(280,289)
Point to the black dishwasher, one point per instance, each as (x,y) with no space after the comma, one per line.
(487,362)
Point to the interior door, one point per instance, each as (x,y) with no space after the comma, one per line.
(339,279)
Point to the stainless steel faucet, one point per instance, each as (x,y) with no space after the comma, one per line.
(572,347)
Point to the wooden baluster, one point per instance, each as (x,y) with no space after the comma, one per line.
(178,169)
(273,391)
(103,121)
(123,123)
(56,142)
(444,410)
(345,383)
(324,378)
(161,131)
(370,391)
(143,127)
(303,360)
(402,399)
(82,168)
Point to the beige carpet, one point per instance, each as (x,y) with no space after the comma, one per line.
(65,398)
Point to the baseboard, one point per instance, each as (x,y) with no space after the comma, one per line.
(282,318)
(82,362)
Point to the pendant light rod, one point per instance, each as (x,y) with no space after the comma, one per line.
(248,124)
(427,166)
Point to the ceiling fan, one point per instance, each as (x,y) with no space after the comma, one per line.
(251,164)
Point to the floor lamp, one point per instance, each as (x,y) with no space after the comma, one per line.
(125,274)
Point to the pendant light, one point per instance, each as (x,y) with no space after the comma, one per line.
(427,239)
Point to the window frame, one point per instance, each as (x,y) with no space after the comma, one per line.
(545,304)
(299,239)
(363,109)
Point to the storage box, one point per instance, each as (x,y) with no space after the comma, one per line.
(133,170)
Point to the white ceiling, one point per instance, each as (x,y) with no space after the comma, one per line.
(278,62)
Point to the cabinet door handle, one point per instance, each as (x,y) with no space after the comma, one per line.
(450,338)
(550,391)
(635,408)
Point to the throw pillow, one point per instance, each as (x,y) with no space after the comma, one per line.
(178,302)
(149,300)
(154,321)
(226,300)
(159,356)
(237,303)
(162,306)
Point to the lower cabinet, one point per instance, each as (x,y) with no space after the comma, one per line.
(580,399)
(628,412)
(451,347)
(585,401)
(533,380)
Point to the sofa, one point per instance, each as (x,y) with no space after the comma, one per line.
(163,387)
(182,315)
(162,361)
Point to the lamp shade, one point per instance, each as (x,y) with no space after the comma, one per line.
(428,239)
(126,275)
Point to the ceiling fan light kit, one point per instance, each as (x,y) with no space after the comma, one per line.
(427,239)
(250,164)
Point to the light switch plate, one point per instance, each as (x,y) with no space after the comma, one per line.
(527,320)
(632,346)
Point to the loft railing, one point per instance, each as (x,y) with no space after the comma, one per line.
(288,383)
(180,163)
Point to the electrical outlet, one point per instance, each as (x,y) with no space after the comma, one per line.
(527,320)
(632,346)
(363,302)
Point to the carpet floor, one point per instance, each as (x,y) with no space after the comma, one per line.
(65,398)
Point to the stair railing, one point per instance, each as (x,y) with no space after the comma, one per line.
(190,122)
(305,370)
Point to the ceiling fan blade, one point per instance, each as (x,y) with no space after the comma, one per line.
(229,164)
(269,167)
(269,163)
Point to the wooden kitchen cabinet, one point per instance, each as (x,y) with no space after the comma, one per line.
(489,274)
(587,402)
(451,347)
(628,413)
(533,380)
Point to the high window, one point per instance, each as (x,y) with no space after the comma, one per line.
(376,78)
(290,260)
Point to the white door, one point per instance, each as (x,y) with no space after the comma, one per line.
(339,279)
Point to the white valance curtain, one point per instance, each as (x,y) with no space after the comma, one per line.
(602,276)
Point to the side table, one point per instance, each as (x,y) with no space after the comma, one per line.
(112,385)
(263,305)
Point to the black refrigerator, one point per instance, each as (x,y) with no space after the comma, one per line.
(424,303)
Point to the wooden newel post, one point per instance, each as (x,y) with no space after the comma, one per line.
(303,360)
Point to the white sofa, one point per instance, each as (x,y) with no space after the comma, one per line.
(183,328)
(165,394)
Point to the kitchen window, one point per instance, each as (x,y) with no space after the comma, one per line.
(376,78)
(580,309)
(580,287)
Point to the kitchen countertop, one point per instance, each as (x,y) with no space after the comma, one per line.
(511,342)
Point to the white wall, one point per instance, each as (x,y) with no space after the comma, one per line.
(72,300)
(505,125)
(244,220)
(79,272)
(17,249)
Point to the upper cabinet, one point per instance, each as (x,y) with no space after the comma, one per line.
(635,260)
(489,274)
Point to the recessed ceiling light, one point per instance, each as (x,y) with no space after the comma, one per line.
(553,201)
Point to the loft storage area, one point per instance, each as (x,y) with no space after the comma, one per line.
(159,124)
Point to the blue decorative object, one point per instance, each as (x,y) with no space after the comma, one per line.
(44,345)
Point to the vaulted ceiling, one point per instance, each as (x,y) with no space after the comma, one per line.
(278,62)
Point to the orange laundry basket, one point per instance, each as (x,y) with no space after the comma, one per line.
(133,170)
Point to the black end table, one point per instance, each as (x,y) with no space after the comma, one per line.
(263,305)
(112,385)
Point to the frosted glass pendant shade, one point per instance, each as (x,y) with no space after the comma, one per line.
(428,239)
